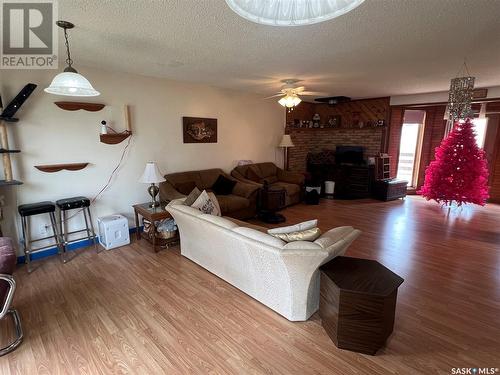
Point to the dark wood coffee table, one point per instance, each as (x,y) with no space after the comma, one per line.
(358,303)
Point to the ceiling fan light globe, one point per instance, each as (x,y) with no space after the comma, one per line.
(289,101)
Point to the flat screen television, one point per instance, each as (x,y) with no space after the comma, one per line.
(352,155)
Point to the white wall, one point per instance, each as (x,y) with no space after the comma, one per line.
(248,128)
(434,97)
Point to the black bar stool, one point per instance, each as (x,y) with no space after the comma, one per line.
(67,204)
(28,210)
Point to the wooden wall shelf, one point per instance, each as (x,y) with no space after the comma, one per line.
(113,139)
(51,168)
(75,106)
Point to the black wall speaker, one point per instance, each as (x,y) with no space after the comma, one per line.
(18,101)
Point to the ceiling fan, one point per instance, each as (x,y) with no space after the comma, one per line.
(291,93)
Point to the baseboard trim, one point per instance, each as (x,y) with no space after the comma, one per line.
(21,259)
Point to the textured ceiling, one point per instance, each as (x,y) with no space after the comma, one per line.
(383,47)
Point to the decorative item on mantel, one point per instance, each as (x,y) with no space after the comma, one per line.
(152,176)
(115,137)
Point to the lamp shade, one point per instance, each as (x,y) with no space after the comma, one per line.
(291,12)
(286,141)
(151,174)
(71,84)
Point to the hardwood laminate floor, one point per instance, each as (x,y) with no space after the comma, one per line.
(130,310)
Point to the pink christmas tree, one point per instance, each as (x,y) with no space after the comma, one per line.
(459,173)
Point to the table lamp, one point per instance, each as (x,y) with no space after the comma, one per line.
(152,176)
(285,143)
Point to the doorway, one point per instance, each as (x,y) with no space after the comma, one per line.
(410,146)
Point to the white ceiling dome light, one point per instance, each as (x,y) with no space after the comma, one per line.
(70,82)
(291,12)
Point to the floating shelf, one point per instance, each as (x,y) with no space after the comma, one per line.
(10,183)
(4,151)
(113,139)
(51,168)
(75,106)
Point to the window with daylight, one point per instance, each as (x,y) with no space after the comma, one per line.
(480,126)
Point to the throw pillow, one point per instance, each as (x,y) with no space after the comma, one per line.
(185,187)
(223,185)
(207,203)
(253,174)
(303,235)
(295,228)
(192,197)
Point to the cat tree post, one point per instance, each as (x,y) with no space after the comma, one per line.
(4,140)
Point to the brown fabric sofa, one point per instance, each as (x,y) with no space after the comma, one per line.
(259,173)
(240,204)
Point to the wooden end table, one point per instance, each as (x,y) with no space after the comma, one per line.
(357,303)
(272,199)
(153,215)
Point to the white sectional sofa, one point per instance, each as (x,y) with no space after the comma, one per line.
(283,276)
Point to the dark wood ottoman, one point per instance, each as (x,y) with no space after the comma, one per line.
(358,303)
(390,189)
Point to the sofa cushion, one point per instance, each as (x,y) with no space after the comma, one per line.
(302,235)
(223,185)
(220,221)
(291,189)
(267,169)
(192,197)
(295,228)
(253,174)
(302,245)
(207,203)
(231,202)
(209,176)
(187,209)
(185,187)
(240,223)
(259,236)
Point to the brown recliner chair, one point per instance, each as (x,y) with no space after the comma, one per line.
(258,173)
(240,204)
(7,288)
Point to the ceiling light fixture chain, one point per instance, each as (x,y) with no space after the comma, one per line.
(69,61)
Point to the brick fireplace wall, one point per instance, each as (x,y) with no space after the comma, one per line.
(316,140)
(349,133)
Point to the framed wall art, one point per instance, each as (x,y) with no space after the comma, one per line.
(199,130)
